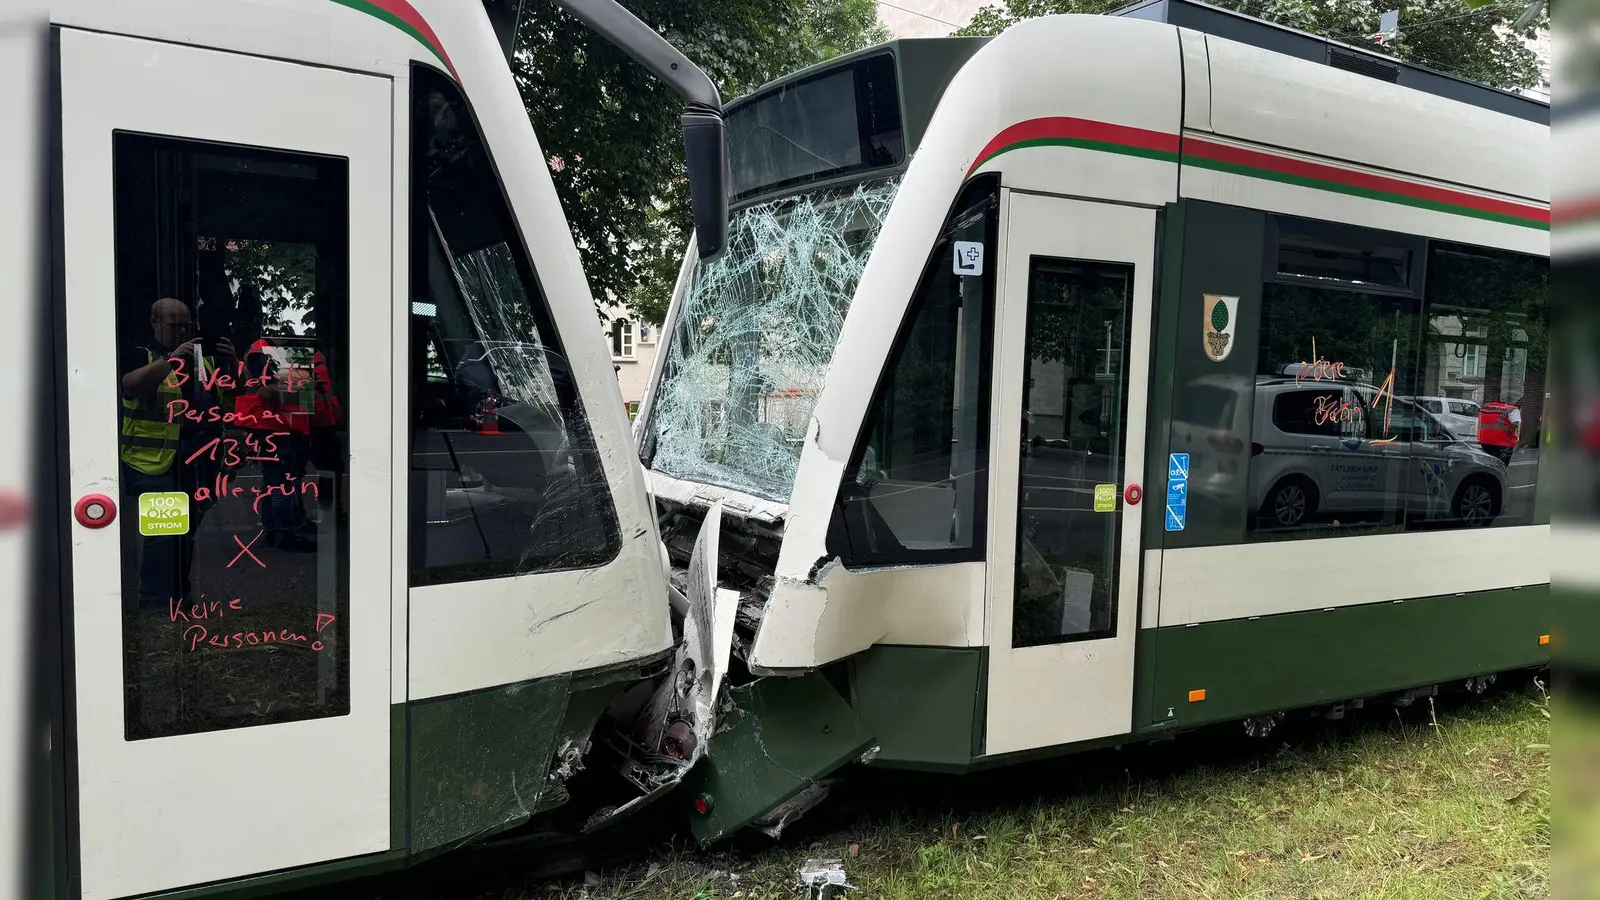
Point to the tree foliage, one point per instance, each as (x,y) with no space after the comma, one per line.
(1477,43)
(280,277)
(610,130)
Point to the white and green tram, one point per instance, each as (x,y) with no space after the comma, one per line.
(345,549)
(1060,390)
(1102,380)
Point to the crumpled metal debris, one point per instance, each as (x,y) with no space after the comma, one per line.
(823,879)
(678,719)
(774,821)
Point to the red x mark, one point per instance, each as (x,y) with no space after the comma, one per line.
(244,549)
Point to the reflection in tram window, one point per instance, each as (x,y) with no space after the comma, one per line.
(1485,352)
(232,341)
(1339,322)
(505,476)
(917,490)
(1384,404)
(1074,401)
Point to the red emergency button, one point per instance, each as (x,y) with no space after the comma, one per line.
(13,509)
(1133,494)
(95,511)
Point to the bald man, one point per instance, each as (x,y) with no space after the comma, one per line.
(155,447)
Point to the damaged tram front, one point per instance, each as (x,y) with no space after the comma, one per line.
(975,307)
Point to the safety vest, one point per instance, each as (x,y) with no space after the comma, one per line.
(149,440)
(1495,428)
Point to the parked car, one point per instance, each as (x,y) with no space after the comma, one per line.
(1323,449)
(1460,416)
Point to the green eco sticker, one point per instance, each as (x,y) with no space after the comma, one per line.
(1105,498)
(163,513)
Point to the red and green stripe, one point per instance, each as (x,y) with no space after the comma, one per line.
(1082,134)
(405,17)
(1086,134)
(1576,211)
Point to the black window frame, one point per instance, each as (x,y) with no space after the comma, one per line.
(1421,287)
(838,543)
(171,275)
(1351,235)
(861,80)
(1113,629)
(419,221)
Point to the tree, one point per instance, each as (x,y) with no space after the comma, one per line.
(611,132)
(1480,44)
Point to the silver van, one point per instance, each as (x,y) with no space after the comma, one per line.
(1321,448)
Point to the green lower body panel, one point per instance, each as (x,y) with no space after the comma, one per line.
(923,704)
(1576,641)
(1255,666)
(479,761)
(789,732)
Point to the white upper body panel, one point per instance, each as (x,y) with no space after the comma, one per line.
(1274,100)
(1038,79)
(1096,107)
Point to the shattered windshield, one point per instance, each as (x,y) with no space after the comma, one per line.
(754,337)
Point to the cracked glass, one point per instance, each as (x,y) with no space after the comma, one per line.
(752,343)
(506,478)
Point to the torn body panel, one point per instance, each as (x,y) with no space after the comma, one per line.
(806,625)
(789,736)
(671,729)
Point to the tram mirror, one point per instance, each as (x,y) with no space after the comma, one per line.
(705,150)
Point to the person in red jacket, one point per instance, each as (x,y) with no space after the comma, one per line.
(1500,428)
(290,397)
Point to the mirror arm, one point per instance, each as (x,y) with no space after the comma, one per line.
(650,49)
(704,134)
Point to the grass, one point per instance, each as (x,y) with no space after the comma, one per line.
(1455,805)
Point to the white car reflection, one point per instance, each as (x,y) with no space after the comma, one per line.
(1460,416)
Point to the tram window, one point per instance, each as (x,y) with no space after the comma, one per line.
(1318,252)
(1333,365)
(233,332)
(1330,412)
(1074,406)
(917,489)
(1486,341)
(505,475)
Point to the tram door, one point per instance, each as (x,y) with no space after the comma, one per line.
(227,248)
(1070,407)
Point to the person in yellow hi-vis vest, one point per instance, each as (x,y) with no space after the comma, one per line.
(168,391)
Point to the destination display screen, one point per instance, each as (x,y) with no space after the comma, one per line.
(836,123)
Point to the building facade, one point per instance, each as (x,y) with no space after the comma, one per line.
(633,353)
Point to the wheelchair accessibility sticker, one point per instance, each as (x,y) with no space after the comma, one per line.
(1177,517)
